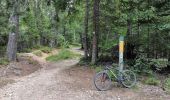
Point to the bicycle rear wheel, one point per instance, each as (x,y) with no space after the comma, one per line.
(102,81)
(128,78)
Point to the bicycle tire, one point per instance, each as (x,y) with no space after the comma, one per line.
(128,78)
(104,81)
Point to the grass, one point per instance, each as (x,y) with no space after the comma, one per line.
(62,55)
(152,81)
(98,69)
(38,53)
(46,49)
(167,85)
(4,61)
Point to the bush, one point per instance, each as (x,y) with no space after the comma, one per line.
(38,53)
(152,81)
(4,61)
(167,85)
(62,55)
(143,66)
(62,42)
(46,49)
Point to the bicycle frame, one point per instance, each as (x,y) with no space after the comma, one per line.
(112,73)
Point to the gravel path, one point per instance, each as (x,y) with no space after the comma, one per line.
(61,81)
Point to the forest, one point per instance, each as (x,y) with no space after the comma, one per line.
(95,27)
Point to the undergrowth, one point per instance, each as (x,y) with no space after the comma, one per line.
(152,81)
(38,53)
(46,49)
(4,61)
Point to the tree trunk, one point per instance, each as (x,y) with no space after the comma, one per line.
(148,48)
(169,57)
(96,31)
(129,29)
(84,35)
(13,35)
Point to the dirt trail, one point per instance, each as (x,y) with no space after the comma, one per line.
(63,80)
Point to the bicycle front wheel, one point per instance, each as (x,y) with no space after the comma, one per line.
(102,81)
(128,78)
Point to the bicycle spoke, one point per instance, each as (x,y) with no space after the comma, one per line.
(102,81)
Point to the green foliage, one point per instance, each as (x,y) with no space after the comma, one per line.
(152,81)
(167,85)
(98,69)
(62,41)
(62,55)
(159,63)
(4,61)
(142,66)
(38,53)
(46,49)
(145,66)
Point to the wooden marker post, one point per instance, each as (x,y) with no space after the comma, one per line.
(121,50)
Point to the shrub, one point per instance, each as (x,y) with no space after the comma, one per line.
(62,42)
(143,66)
(152,81)
(38,53)
(62,55)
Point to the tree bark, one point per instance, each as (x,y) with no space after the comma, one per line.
(13,35)
(96,31)
(148,48)
(84,35)
(129,25)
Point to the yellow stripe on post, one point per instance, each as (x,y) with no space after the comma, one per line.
(121,50)
(121,46)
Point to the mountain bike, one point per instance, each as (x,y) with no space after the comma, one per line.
(103,80)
